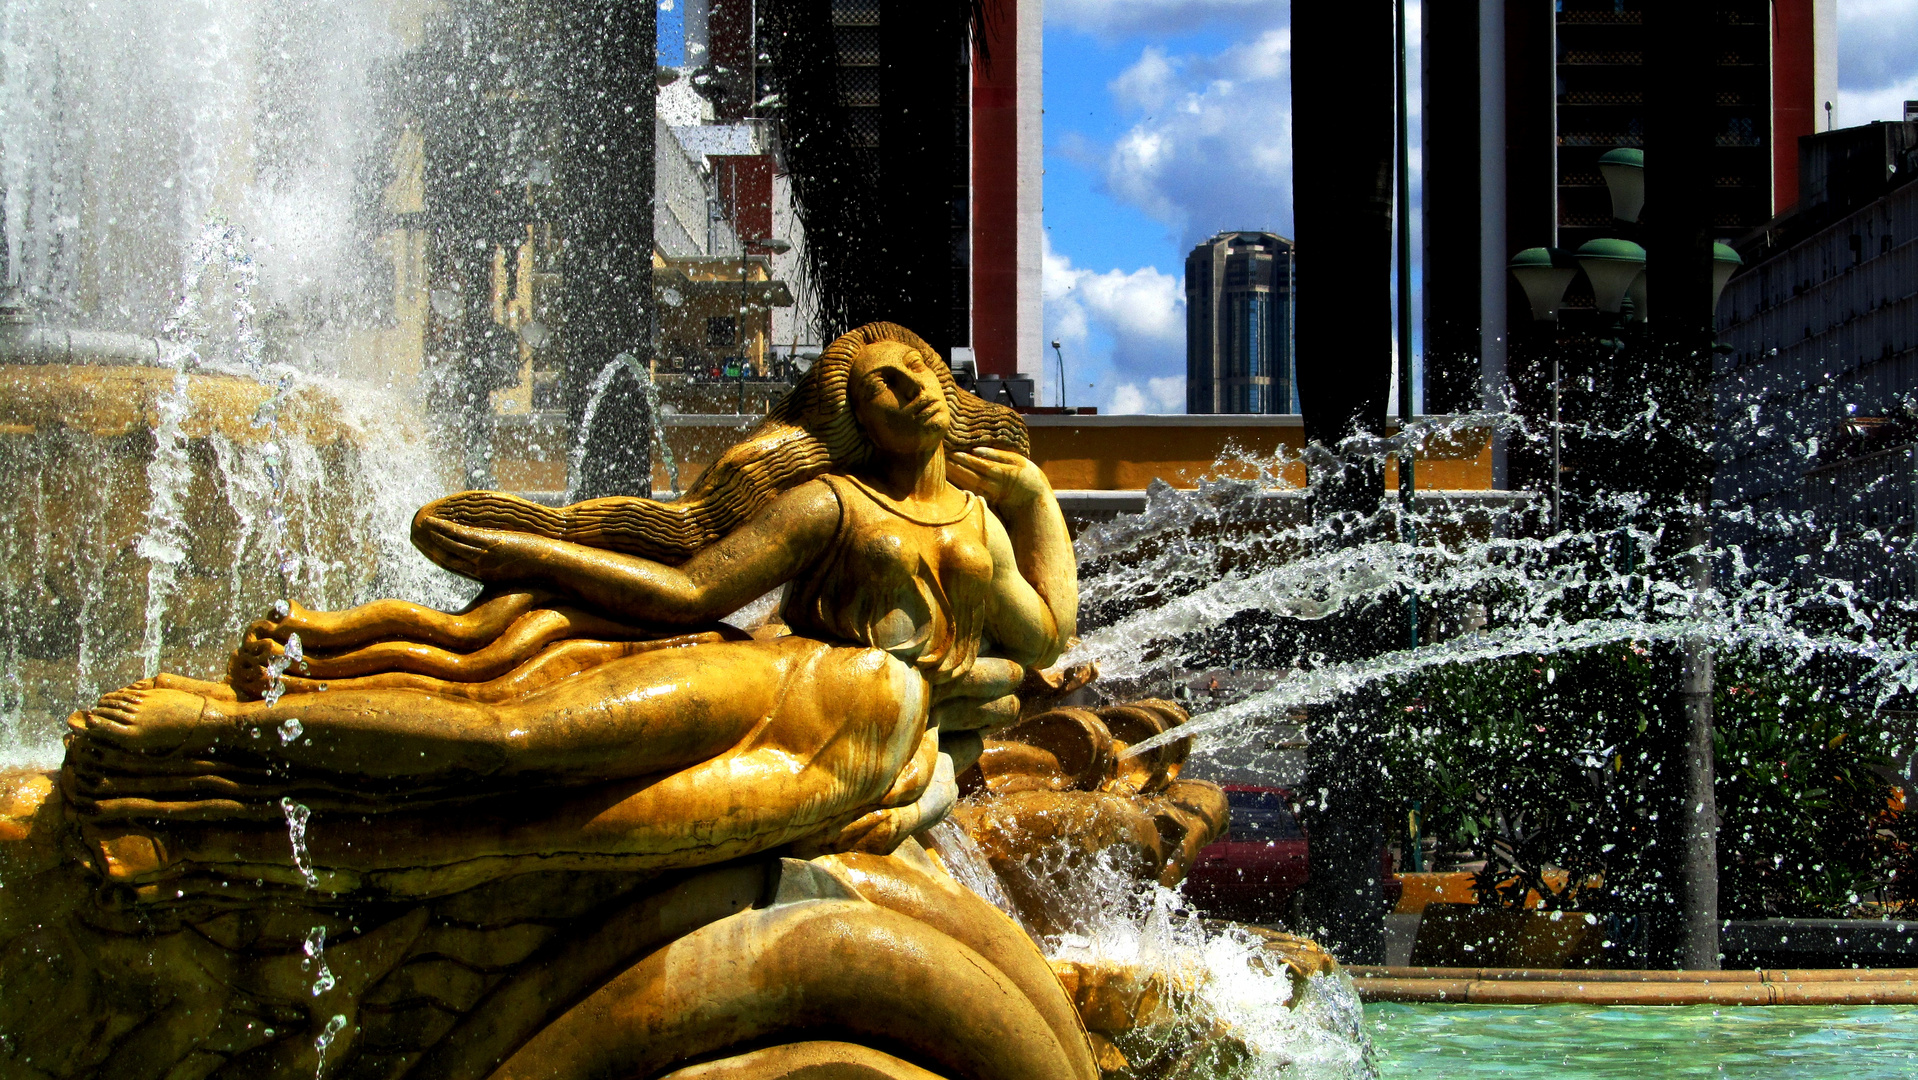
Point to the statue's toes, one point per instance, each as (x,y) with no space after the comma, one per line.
(112,724)
(121,708)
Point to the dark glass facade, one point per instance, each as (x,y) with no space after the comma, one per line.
(1238,345)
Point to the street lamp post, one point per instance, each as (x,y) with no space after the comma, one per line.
(1062,372)
(1616,269)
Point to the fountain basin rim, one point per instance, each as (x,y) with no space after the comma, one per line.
(27,344)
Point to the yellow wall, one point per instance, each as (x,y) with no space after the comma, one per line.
(1101,453)
(1126,453)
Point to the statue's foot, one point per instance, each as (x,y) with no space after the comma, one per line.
(153,720)
(246,671)
(278,624)
(317,629)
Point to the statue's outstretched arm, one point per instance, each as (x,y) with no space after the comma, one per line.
(1038,575)
(747,563)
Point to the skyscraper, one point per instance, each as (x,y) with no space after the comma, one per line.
(1238,319)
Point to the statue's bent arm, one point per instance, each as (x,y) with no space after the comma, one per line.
(1042,545)
(1022,624)
(1036,575)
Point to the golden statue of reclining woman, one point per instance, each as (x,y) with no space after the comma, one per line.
(587,710)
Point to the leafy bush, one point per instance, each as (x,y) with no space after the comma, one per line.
(1556,761)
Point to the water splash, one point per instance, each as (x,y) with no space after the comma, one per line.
(1237,574)
(163,544)
(969,867)
(276,669)
(71,621)
(297,816)
(602,385)
(1232,1014)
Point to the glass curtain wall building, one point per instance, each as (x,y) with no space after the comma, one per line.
(1238,351)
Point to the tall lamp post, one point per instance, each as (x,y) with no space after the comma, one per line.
(1062,372)
(1616,270)
(1545,274)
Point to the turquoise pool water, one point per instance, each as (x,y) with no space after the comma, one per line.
(1564,1042)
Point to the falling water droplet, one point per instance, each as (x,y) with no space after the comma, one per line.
(327,1034)
(315,949)
(297,816)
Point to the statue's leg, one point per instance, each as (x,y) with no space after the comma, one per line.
(655,711)
(778,758)
(485,619)
(557,661)
(395,622)
(518,643)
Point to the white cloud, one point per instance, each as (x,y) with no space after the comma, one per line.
(1113,18)
(1122,332)
(1856,107)
(1875,50)
(1165,395)
(1212,146)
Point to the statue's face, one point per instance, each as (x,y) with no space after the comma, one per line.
(898,399)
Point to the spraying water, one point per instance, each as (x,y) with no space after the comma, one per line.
(1215,576)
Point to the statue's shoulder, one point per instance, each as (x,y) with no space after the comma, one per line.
(823,491)
(810,508)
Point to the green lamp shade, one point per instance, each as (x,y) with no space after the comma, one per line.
(1636,290)
(1624,173)
(1544,274)
(1611,265)
(1725,262)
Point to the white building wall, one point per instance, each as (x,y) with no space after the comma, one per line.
(1824,60)
(1031,118)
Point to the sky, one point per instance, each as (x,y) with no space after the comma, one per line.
(1169,120)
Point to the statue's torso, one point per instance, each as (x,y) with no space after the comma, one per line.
(916,587)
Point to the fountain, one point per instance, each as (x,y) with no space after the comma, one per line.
(203,379)
(650,843)
(221,307)
(210,408)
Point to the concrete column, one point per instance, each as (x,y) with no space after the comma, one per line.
(1491,201)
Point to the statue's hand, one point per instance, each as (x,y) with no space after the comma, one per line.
(481,554)
(1001,477)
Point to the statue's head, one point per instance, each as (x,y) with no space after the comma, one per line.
(882,388)
(897,399)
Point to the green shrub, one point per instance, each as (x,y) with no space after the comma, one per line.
(1556,761)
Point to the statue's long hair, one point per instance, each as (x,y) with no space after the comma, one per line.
(811,431)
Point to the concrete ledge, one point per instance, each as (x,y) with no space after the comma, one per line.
(1656,975)
(1780,942)
(709,420)
(1178,420)
(1092,503)
(1520,986)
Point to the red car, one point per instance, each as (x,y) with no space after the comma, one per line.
(1252,871)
